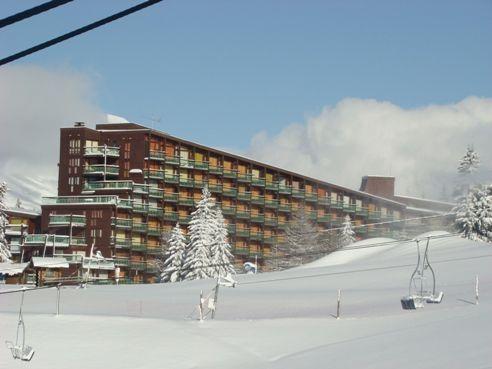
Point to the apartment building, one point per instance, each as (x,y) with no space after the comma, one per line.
(121,186)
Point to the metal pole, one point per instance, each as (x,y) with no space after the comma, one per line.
(200,306)
(476,290)
(256,263)
(105,161)
(45,242)
(58,299)
(338,303)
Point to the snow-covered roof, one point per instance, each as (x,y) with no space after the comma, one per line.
(49,262)
(12,268)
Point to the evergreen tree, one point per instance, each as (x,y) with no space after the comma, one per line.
(469,162)
(302,241)
(202,230)
(221,250)
(5,254)
(347,234)
(474,214)
(174,257)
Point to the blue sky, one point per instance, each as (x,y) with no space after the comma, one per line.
(220,71)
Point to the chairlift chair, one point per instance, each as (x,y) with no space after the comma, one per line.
(418,291)
(18,350)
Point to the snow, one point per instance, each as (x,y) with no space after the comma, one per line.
(272,320)
(51,262)
(9,268)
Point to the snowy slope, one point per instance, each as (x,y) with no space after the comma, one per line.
(272,320)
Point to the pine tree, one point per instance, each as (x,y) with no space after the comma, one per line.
(302,241)
(347,234)
(5,254)
(474,214)
(221,250)
(469,162)
(174,257)
(202,230)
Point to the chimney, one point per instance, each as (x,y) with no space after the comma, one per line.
(379,186)
(79,124)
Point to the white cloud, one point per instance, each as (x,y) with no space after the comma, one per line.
(420,147)
(35,103)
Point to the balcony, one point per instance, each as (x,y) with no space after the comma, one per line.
(125,203)
(173,216)
(154,231)
(282,225)
(15,229)
(286,208)
(283,189)
(155,211)
(154,174)
(272,204)
(325,201)
(139,247)
(198,183)
(108,185)
(154,250)
(244,177)
(311,197)
(201,165)
(151,268)
(230,192)
(121,262)
(172,160)
(171,197)
(374,215)
(260,182)
(360,211)
(78,241)
(157,155)
(241,214)
(228,210)
(298,193)
(138,265)
(101,169)
(312,215)
(242,232)
(229,173)
(215,170)
(186,201)
(244,196)
(215,188)
(123,243)
(244,251)
(122,223)
(257,199)
(142,189)
(349,208)
(46,239)
(336,222)
(156,192)
(257,218)
(186,163)
(101,151)
(98,264)
(140,208)
(337,204)
(270,239)
(140,227)
(67,220)
(186,182)
(256,236)
(271,185)
(184,219)
(270,221)
(171,178)
(80,200)
(324,218)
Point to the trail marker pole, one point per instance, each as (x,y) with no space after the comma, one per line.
(216,296)
(58,286)
(338,304)
(476,290)
(200,306)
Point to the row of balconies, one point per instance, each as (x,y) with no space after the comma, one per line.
(101,169)
(101,151)
(53,240)
(67,220)
(144,266)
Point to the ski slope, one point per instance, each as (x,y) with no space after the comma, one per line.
(272,320)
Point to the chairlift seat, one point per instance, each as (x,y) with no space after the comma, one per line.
(435,299)
(18,352)
(412,303)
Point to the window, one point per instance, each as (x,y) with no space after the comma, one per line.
(96,233)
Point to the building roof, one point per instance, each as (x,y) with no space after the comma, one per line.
(49,262)
(22,212)
(12,268)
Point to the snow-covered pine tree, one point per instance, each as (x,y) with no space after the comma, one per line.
(474,214)
(5,254)
(469,162)
(302,241)
(221,250)
(174,257)
(347,234)
(201,230)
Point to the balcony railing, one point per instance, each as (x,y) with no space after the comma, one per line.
(298,193)
(186,201)
(256,236)
(215,188)
(360,211)
(156,192)
(244,177)
(326,201)
(312,197)
(67,220)
(140,227)
(171,216)
(244,196)
(271,185)
(257,218)
(153,173)
(125,203)
(171,178)
(229,173)
(269,203)
(374,215)
(324,218)
(337,204)
(101,169)
(123,243)
(242,214)
(138,246)
(78,241)
(72,200)
(283,189)
(121,262)
(122,223)
(173,160)
(186,182)
(48,240)
(138,265)
(270,239)
(228,210)
(154,231)
(102,151)
(201,165)
(231,192)
(157,155)
(284,207)
(258,182)
(270,221)
(141,188)
(108,185)
(349,208)
(140,208)
(241,251)
(155,211)
(215,170)
(184,219)
(171,197)
(257,199)
(198,183)
(186,163)
(154,250)
(242,232)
